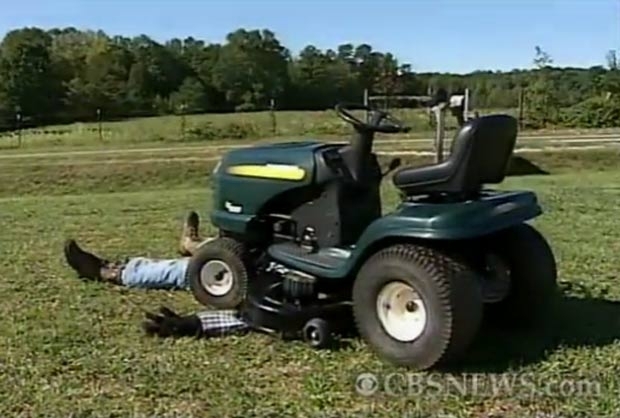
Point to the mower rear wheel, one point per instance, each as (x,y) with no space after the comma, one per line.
(532,271)
(218,275)
(416,306)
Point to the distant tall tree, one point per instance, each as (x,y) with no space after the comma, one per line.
(103,83)
(610,80)
(251,68)
(28,81)
(191,96)
(140,95)
(612,60)
(542,106)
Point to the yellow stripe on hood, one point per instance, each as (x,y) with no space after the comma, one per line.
(269,171)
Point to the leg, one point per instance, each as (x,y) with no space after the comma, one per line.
(190,237)
(136,272)
(140,272)
(155,274)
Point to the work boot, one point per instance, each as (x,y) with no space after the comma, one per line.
(190,239)
(89,266)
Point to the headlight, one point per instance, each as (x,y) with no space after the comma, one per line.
(217,167)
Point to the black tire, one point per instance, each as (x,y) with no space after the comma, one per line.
(233,254)
(449,290)
(533,277)
(317,333)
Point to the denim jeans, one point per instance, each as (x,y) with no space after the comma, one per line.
(155,274)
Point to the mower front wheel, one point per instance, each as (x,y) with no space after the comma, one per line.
(317,333)
(218,275)
(416,306)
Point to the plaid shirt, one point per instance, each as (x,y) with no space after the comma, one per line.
(218,323)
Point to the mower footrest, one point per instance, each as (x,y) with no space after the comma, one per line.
(326,258)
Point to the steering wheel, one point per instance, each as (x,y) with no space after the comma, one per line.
(380,120)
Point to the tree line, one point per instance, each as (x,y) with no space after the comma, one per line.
(65,75)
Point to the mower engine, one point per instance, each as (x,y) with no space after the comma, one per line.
(297,286)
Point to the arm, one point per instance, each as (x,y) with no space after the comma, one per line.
(208,323)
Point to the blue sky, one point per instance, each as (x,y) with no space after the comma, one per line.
(435,35)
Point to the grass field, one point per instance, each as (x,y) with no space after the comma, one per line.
(217,129)
(193,128)
(71,347)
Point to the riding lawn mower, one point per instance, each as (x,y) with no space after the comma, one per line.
(304,250)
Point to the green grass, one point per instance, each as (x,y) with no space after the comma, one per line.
(70,174)
(207,127)
(71,347)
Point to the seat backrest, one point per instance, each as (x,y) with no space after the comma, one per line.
(481,151)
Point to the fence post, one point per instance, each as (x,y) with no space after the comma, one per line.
(440,117)
(182,109)
(466,106)
(429,93)
(99,127)
(272,115)
(366,103)
(18,120)
(521,106)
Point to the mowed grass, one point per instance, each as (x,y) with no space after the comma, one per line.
(104,173)
(73,347)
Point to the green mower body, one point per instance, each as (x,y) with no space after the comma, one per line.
(303,243)
(243,184)
(279,190)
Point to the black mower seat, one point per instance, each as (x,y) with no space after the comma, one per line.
(480,154)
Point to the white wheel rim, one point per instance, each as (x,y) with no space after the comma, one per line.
(401,311)
(216,277)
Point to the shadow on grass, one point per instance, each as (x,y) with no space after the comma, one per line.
(521,166)
(576,322)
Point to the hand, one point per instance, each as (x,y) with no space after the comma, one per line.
(167,323)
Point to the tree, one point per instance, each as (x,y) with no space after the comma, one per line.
(251,68)
(541,59)
(103,83)
(28,80)
(164,71)
(543,106)
(191,96)
(612,60)
(388,72)
(139,92)
(65,74)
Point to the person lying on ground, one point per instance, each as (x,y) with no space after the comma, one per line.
(147,273)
